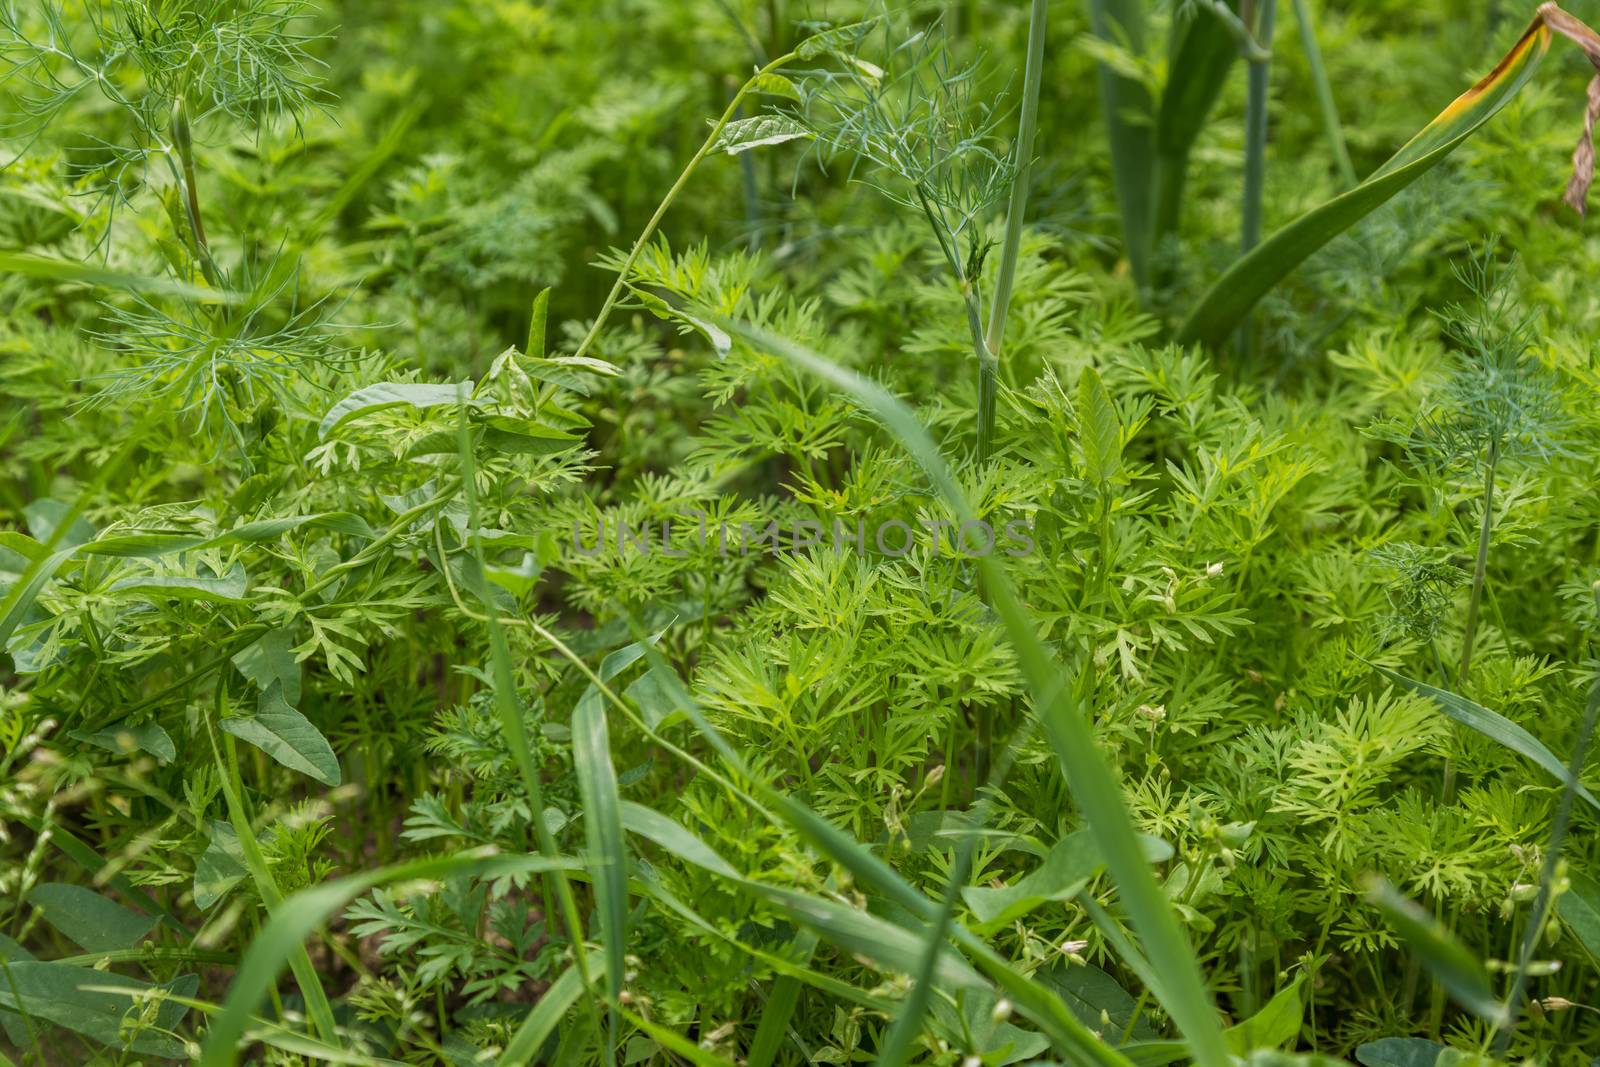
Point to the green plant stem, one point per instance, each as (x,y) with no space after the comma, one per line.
(1255,128)
(1558,832)
(1480,566)
(1319,79)
(183,144)
(672,194)
(1255,148)
(1016,214)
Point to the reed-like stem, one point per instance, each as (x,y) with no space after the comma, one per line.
(1255,145)
(183,144)
(1016,213)
(1480,566)
(672,194)
(1331,127)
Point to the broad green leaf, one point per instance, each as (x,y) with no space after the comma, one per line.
(1091,993)
(538,321)
(1066,870)
(143,737)
(1200,54)
(74,272)
(13,1025)
(150,545)
(271,659)
(94,1003)
(1231,297)
(1276,1023)
(220,867)
(287,736)
(525,436)
(230,588)
(1579,908)
(89,919)
(17,550)
(1454,967)
(1494,726)
(384,395)
(297,916)
(1399,1052)
(1129,118)
(741,135)
(970,1025)
(54,520)
(17,598)
(774,85)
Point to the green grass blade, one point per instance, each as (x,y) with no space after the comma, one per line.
(607,858)
(62,270)
(1225,304)
(1128,114)
(541,1022)
(302,913)
(1495,727)
(1455,968)
(508,710)
(782,1000)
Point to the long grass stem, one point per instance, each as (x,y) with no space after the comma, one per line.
(1325,102)
(672,195)
(1016,215)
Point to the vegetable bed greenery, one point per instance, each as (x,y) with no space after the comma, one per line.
(747,532)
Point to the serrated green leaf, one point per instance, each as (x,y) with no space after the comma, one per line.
(1276,1024)
(55,520)
(838,39)
(741,135)
(1099,430)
